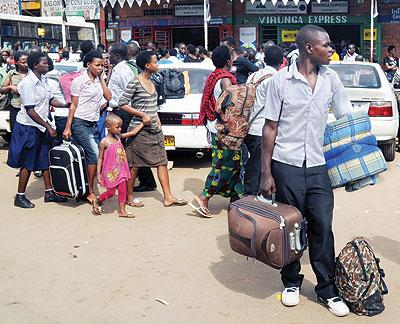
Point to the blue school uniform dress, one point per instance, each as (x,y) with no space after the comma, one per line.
(30,142)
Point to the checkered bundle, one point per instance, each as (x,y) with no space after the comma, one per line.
(352,156)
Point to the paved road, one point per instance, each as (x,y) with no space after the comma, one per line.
(60,264)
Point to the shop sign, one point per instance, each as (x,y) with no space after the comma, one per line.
(178,21)
(257,8)
(189,10)
(110,35)
(126,35)
(248,36)
(367,34)
(216,21)
(325,20)
(89,9)
(394,18)
(330,7)
(289,36)
(10,7)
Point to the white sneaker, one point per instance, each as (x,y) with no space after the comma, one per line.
(335,305)
(290,296)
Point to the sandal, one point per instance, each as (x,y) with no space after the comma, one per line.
(200,209)
(96,209)
(135,203)
(203,211)
(128,215)
(177,202)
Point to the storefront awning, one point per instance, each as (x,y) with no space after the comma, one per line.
(139,2)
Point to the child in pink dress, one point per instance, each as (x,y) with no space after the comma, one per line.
(112,166)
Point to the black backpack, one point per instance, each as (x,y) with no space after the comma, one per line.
(174,84)
(158,81)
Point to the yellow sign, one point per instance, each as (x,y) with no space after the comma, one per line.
(289,36)
(367,34)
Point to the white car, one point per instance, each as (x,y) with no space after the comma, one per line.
(369,91)
(179,116)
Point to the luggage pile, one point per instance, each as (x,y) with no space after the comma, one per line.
(352,156)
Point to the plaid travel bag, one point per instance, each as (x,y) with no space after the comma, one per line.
(352,156)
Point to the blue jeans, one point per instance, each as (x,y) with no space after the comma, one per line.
(86,134)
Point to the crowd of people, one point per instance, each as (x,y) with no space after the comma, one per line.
(282,152)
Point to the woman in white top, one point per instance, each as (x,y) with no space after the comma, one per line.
(32,134)
(87,93)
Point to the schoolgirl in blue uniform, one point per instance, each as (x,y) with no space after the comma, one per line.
(32,135)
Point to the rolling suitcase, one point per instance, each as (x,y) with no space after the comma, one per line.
(68,171)
(270,232)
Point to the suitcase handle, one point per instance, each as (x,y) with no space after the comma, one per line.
(271,201)
(66,142)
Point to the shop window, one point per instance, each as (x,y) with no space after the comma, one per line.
(269,33)
(161,37)
(158,12)
(142,35)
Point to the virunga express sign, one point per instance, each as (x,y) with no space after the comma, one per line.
(89,9)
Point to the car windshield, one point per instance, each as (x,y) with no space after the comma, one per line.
(196,77)
(357,75)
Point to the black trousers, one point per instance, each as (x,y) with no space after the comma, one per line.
(309,190)
(253,166)
(146,178)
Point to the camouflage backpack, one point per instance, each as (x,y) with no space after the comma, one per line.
(359,279)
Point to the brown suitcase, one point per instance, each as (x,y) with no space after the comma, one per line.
(273,233)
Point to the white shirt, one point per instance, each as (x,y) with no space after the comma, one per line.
(121,75)
(54,84)
(302,123)
(90,97)
(34,93)
(211,123)
(350,58)
(259,105)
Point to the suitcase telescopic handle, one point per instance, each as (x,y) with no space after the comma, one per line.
(271,201)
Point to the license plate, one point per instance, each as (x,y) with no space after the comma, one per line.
(169,141)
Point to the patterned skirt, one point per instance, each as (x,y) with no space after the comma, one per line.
(226,174)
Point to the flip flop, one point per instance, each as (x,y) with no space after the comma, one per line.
(203,211)
(135,203)
(96,209)
(177,202)
(128,215)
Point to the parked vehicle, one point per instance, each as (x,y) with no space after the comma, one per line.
(179,116)
(369,91)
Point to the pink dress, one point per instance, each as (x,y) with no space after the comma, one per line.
(115,165)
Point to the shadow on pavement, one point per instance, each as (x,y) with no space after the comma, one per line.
(387,248)
(249,277)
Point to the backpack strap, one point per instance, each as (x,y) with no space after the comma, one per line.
(260,80)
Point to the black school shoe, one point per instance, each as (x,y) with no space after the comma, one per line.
(22,202)
(50,196)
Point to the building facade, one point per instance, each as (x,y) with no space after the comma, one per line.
(253,23)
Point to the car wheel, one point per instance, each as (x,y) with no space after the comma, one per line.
(7,137)
(389,151)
